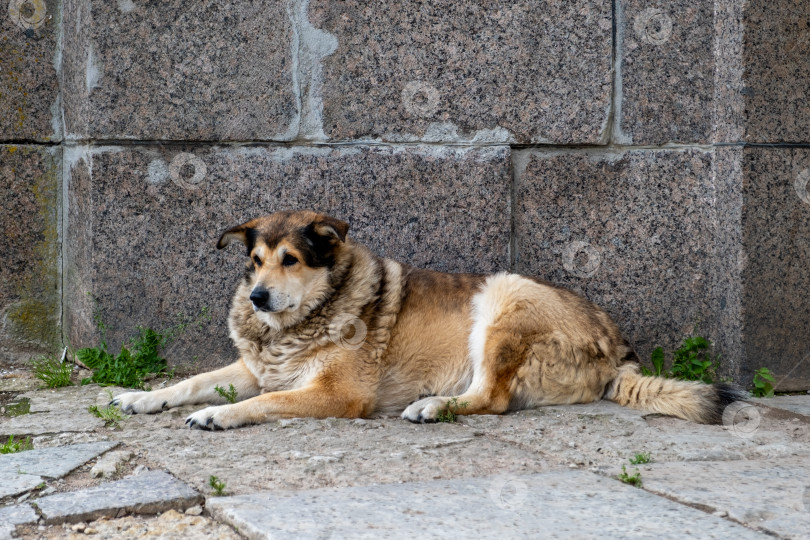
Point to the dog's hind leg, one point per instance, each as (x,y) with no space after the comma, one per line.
(498,348)
(494,380)
(198,389)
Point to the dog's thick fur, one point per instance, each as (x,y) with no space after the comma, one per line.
(324,328)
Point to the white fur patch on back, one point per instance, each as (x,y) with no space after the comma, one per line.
(498,292)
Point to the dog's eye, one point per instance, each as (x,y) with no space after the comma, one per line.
(288,260)
(257,260)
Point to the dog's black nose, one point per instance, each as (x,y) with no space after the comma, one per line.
(259,296)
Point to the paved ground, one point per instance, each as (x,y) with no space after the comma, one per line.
(549,472)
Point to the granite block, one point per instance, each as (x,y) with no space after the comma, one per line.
(776,71)
(461,70)
(29,88)
(775,280)
(29,273)
(633,232)
(667,71)
(179,70)
(143,223)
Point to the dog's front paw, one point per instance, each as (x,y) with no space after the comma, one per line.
(214,418)
(140,402)
(425,410)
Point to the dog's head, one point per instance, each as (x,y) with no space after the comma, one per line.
(291,257)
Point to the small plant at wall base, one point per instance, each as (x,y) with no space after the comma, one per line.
(692,361)
(139,357)
(54,373)
(12,447)
(763,383)
(111,415)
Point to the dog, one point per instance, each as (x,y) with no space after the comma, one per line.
(325,328)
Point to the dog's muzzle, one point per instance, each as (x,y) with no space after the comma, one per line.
(266,300)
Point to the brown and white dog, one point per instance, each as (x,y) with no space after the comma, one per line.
(325,328)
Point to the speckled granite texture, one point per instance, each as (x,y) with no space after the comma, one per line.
(633,232)
(599,144)
(143,232)
(776,59)
(405,70)
(776,274)
(29,271)
(178,69)
(667,71)
(28,79)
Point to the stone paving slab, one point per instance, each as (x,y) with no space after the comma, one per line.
(553,505)
(794,404)
(53,462)
(147,493)
(43,423)
(309,453)
(11,516)
(773,495)
(13,483)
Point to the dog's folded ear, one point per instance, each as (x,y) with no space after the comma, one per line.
(244,233)
(326,226)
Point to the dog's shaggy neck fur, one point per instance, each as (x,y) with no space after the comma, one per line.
(360,286)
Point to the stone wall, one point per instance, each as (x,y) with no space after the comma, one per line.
(654,156)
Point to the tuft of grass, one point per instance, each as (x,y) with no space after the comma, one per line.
(763,383)
(111,414)
(54,373)
(450,411)
(139,357)
(692,361)
(217,485)
(12,446)
(641,458)
(229,394)
(632,479)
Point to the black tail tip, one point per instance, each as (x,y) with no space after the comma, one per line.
(725,395)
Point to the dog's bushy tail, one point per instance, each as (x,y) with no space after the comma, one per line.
(695,401)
